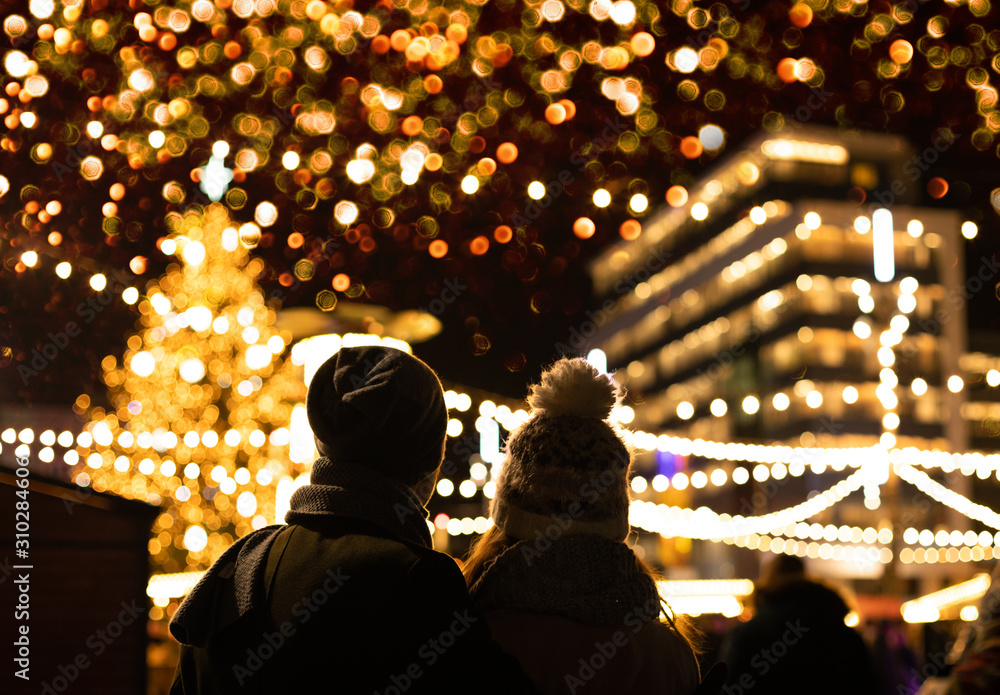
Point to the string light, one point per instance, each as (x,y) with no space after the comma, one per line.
(602,198)
(949,498)
(706,524)
(927,609)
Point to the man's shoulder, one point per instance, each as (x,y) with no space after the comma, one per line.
(360,550)
(359,576)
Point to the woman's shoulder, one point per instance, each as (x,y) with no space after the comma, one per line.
(651,656)
(663,639)
(665,635)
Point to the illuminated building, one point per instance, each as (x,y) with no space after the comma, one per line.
(771,307)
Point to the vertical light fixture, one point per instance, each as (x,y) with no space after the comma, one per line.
(883,245)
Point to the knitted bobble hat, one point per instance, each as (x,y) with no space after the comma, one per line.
(566,470)
(379,407)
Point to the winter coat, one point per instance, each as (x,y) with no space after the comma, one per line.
(582,617)
(564,657)
(350,608)
(798,643)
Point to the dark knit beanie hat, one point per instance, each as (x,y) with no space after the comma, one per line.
(566,466)
(380,407)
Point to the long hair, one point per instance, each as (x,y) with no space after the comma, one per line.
(489,546)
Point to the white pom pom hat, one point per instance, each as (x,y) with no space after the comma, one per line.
(566,470)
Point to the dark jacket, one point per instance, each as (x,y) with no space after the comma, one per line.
(565,657)
(350,609)
(796,643)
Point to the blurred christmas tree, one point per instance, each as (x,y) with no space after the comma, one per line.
(202,401)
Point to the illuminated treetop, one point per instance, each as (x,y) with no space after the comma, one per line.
(200,400)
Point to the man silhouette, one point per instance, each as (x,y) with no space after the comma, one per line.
(349,597)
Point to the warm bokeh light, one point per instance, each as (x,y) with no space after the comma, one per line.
(370,151)
(901,51)
(937,187)
(432,104)
(584,228)
(503,234)
(630,230)
(470,184)
(164,391)
(638,203)
(438,248)
(676,196)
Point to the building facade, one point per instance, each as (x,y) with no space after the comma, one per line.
(797,295)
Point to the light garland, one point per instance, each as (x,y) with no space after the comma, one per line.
(823,551)
(783,458)
(844,534)
(672,588)
(967,464)
(770,461)
(687,596)
(729,606)
(927,537)
(671,515)
(927,609)
(949,498)
(705,524)
(920,556)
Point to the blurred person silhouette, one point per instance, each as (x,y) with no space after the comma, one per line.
(349,596)
(895,659)
(797,640)
(559,586)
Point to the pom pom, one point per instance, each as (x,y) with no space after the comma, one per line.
(574,387)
